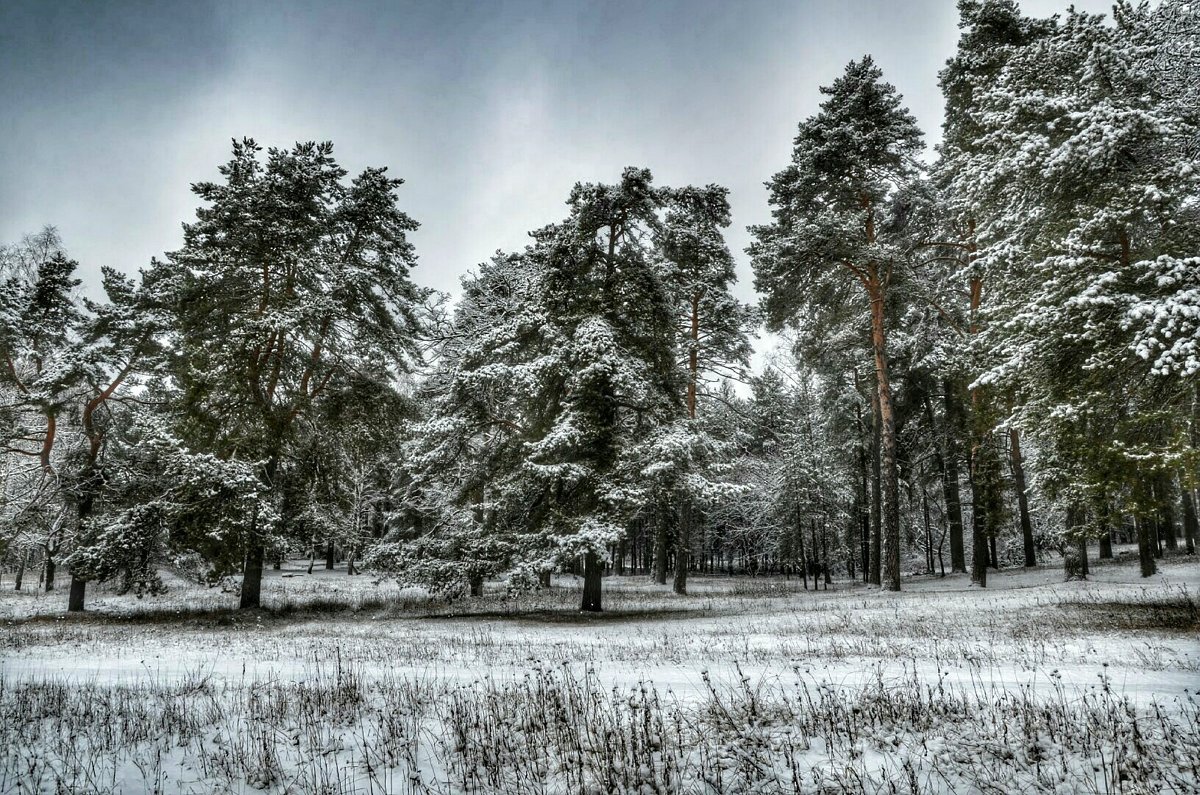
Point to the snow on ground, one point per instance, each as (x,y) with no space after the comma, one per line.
(738,662)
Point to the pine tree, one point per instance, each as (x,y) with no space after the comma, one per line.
(826,239)
(1081,184)
(121,338)
(993,30)
(39,337)
(560,370)
(712,331)
(289,280)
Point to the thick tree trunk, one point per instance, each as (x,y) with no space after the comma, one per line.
(20,578)
(87,500)
(682,547)
(329,556)
(978,546)
(876,557)
(78,590)
(864,513)
(1169,531)
(660,545)
(864,501)
(1145,547)
(252,569)
(49,572)
(1075,521)
(888,464)
(1018,470)
(476,583)
(252,578)
(981,523)
(1106,551)
(592,571)
(950,489)
(978,519)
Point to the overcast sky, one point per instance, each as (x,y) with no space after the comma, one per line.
(489,110)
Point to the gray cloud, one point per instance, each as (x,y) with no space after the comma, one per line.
(490,111)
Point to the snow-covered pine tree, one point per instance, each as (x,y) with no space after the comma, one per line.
(40,321)
(827,243)
(451,526)
(992,30)
(120,339)
(613,376)
(1081,186)
(712,337)
(163,503)
(289,279)
(561,365)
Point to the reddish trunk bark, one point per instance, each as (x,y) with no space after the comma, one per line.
(891,488)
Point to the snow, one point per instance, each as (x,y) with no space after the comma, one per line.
(1030,638)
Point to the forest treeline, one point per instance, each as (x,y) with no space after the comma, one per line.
(992,354)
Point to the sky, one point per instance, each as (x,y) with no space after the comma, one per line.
(490,111)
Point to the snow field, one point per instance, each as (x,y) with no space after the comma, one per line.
(747,686)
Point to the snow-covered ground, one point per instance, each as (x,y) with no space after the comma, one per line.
(345,685)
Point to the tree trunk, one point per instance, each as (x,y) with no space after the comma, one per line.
(1106,551)
(1169,532)
(800,541)
(682,548)
(876,557)
(864,509)
(476,585)
(928,531)
(49,571)
(993,558)
(20,578)
(1018,470)
(1191,527)
(891,484)
(252,578)
(825,557)
(87,500)
(592,571)
(1145,547)
(329,553)
(543,579)
(950,490)
(78,591)
(1075,521)
(660,545)
(619,559)
(978,547)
